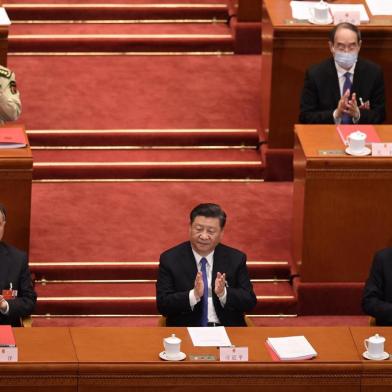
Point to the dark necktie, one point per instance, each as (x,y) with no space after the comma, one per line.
(204,299)
(346,118)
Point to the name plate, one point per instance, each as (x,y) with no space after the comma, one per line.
(233,354)
(352,17)
(382,149)
(8,354)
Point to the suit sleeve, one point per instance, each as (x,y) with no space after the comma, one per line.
(376,113)
(310,113)
(241,297)
(23,305)
(170,301)
(373,300)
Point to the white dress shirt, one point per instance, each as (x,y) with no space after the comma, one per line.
(212,317)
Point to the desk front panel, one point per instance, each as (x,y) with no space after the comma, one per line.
(113,359)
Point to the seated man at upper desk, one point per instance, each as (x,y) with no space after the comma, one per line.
(377,294)
(10,105)
(202,282)
(17,298)
(344,89)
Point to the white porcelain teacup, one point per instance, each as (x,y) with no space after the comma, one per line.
(172,346)
(375,346)
(320,12)
(356,141)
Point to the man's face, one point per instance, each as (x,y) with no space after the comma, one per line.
(205,234)
(345,41)
(2,225)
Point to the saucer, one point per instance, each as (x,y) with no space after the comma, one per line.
(384,356)
(362,153)
(179,357)
(321,22)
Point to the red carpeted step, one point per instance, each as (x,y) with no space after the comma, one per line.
(122,10)
(83,164)
(120,38)
(139,298)
(144,137)
(138,270)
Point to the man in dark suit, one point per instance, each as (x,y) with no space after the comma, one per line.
(377,294)
(343,89)
(17,297)
(202,282)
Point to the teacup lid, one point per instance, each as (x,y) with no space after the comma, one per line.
(321,5)
(357,135)
(377,338)
(173,339)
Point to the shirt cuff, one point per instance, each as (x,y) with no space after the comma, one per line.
(337,120)
(6,310)
(223,298)
(192,299)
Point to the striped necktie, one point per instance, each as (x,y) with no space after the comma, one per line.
(346,118)
(204,300)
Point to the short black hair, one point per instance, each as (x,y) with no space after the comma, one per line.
(344,25)
(3,211)
(209,210)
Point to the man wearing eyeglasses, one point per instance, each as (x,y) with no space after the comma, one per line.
(17,298)
(344,89)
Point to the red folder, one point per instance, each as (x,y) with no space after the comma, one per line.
(7,338)
(12,138)
(346,129)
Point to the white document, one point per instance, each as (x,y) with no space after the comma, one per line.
(300,9)
(380,7)
(292,348)
(209,336)
(4,19)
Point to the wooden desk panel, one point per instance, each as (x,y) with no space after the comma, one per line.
(47,362)
(16,173)
(342,211)
(376,375)
(290,48)
(126,359)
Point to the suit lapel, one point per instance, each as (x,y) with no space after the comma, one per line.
(218,264)
(333,75)
(357,78)
(189,263)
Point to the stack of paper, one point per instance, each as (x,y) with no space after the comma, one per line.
(300,9)
(209,336)
(12,138)
(380,7)
(292,348)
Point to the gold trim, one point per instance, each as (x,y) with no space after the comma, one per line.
(174,163)
(121,21)
(158,53)
(99,5)
(120,263)
(110,148)
(111,36)
(48,315)
(137,131)
(275,297)
(105,299)
(112,281)
(163,180)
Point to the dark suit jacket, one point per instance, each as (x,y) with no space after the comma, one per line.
(176,277)
(14,269)
(321,92)
(377,294)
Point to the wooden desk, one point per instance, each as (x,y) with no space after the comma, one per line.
(376,376)
(289,48)
(16,173)
(342,206)
(47,362)
(126,359)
